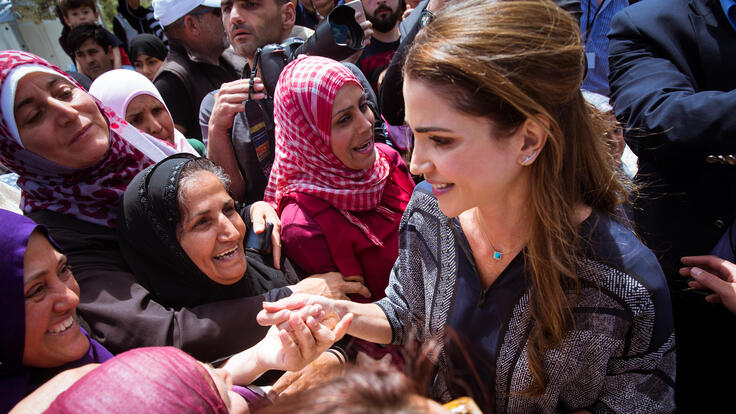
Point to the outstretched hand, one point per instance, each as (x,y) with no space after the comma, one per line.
(277,313)
(332,285)
(296,342)
(715,274)
(302,342)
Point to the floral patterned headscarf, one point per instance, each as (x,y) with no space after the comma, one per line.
(90,194)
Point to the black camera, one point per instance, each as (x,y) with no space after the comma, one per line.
(260,243)
(337,37)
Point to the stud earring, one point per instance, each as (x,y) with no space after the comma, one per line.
(529,158)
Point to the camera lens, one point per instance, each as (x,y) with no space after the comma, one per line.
(341,34)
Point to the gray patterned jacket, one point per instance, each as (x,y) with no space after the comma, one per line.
(618,358)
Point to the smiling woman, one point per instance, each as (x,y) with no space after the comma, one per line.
(40,332)
(183,236)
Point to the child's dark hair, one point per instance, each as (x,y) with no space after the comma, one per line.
(66,5)
(81,33)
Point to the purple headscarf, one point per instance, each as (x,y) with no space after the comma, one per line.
(16,381)
(161,380)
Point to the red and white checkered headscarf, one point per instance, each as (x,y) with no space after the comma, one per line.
(90,194)
(304,160)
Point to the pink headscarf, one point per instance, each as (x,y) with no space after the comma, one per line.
(304,160)
(145,380)
(91,193)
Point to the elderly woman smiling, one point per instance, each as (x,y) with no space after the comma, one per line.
(183,235)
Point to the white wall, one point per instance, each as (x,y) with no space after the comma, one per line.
(41,39)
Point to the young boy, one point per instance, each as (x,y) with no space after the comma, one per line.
(78,12)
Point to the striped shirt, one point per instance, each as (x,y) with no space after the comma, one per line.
(594,25)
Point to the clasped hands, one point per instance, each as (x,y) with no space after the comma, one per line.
(291,344)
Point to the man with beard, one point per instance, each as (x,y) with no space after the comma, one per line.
(198,61)
(384,14)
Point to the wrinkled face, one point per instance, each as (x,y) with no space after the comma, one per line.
(251,24)
(59,121)
(351,135)
(147,66)
(150,116)
(79,16)
(93,59)
(234,402)
(51,294)
(211,231)
(382,13)
(460,155)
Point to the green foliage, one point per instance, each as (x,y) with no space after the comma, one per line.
(108,9)
(35,10)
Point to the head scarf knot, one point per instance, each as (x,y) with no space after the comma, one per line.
(304,160)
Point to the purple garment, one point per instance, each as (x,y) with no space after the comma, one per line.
(256,399)
(400,135)
(16,381)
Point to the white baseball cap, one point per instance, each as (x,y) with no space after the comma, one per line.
(169,11)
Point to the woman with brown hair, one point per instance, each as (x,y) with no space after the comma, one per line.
(513,241)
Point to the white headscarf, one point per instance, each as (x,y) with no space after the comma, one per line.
(116,88)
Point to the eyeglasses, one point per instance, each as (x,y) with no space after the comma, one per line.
(214,10)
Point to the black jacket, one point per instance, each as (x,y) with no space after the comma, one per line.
(673,84)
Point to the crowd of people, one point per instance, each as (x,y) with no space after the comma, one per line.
(482,206)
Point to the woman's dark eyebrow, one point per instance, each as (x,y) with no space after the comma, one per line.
(424,129)
(360,101)
(30,99)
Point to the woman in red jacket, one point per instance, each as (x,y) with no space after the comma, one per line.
(339,194)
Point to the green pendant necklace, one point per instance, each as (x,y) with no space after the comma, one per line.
(497,254)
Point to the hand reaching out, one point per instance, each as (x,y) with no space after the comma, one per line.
(302,343)
(297,341)
(332,285)
(713,273)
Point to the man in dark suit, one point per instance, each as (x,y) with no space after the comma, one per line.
(673,85)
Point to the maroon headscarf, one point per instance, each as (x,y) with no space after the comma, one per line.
(163,380)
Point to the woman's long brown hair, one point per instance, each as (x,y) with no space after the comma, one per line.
(512,60)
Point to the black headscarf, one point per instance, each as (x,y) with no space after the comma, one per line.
(148,217)
(147,44)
